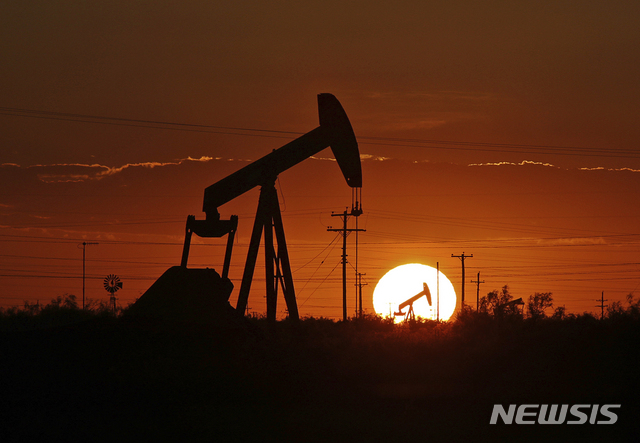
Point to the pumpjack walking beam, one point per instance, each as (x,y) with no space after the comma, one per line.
(335,131)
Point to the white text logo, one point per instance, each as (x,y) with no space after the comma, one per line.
(555,414)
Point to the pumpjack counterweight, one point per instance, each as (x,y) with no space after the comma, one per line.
(335,131)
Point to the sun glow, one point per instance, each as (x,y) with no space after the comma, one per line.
(404,282)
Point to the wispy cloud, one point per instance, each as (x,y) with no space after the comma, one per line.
(572,241)
(329,159)
(79,172)
(378,158)
(528,162)
(151,165)
(600,168)
(522,163)
(363,157)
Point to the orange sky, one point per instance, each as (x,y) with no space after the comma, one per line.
(481,129)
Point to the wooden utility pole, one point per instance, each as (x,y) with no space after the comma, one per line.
(462,257)
(344,231)
(359,301)
(602,305)
(438,291)
(477,281)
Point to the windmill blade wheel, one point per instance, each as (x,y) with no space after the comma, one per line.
(112,283)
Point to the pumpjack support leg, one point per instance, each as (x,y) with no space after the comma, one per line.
(278,268)
(187,242)
(252,255)
(285,265)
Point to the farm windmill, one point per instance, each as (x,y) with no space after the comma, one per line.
(112,284)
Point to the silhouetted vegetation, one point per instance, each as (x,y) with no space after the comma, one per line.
(60,311)
(617,311)
(538,303)
(93,375)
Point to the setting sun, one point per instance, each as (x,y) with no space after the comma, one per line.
(404,283)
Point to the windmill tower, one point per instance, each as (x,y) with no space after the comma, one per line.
(112,284)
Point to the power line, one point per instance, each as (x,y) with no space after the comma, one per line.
(271,133)
(480,223)
(320,253)
(86,118)
(531,149)
(506,145)
(325,279)
(317,268)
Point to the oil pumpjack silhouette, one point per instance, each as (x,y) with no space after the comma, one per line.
(205,289)
(410,315)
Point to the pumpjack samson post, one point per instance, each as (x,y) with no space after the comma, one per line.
(335,131)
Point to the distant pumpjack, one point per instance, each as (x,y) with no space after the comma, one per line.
(335,131)
(410,314)
(516,304)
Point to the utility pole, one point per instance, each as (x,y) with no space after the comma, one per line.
(345,231)
(84,248)
(462,257)
(359,301)
(602,305)
(438,291)
(478,291)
